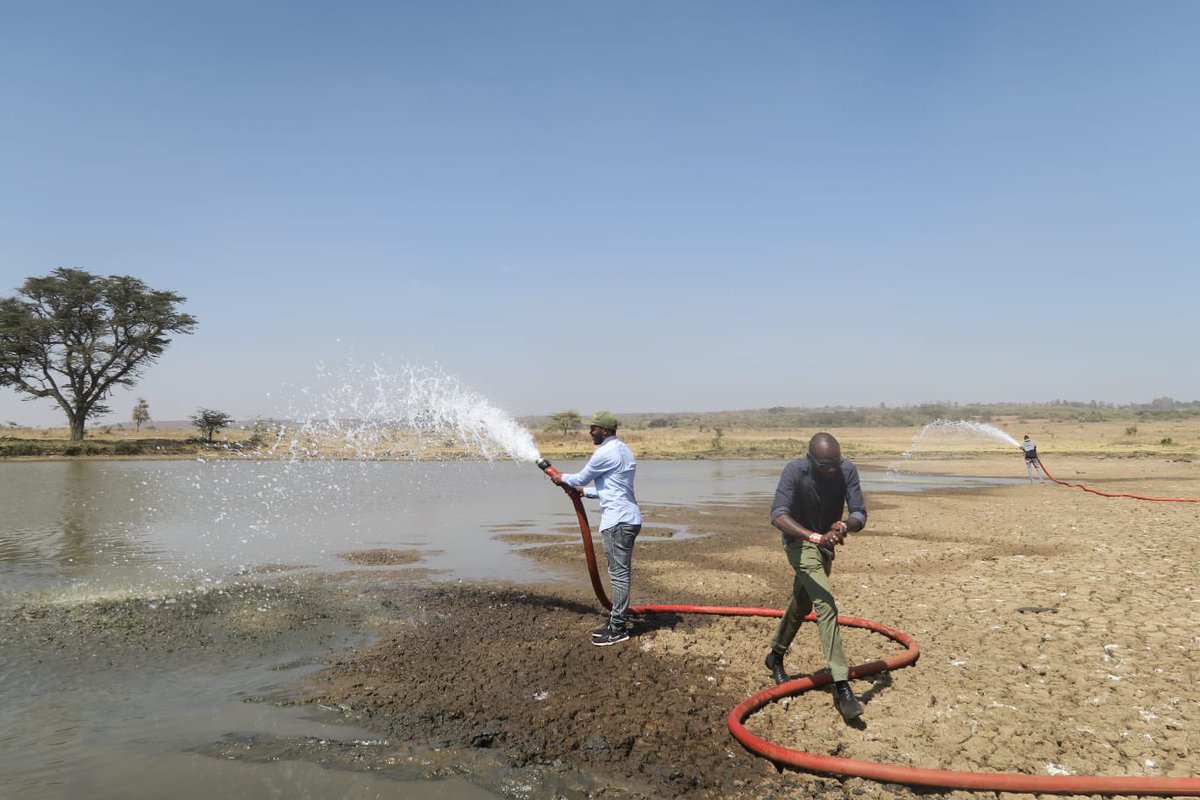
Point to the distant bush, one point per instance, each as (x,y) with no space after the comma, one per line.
(1167,441)
(259,434)
(128,447)
(21,449)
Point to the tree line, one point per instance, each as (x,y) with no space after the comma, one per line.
(792,417)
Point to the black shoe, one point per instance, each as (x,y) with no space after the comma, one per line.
(610,636)
(774,663)
(847,704)
(603,630)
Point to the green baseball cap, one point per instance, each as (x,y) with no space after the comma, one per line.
(605,419)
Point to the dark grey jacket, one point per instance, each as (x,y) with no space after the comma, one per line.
(817,504)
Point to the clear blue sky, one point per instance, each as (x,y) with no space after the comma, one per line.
(637,206)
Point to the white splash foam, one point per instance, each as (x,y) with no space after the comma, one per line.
(955,427)
(962,426)
(381,411)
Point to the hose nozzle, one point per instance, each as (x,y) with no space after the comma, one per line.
(544,465)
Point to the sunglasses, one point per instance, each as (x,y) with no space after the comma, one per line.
(824,466)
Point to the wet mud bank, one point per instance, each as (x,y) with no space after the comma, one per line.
(513,671)
(239,623)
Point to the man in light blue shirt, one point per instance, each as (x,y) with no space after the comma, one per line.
(611,468)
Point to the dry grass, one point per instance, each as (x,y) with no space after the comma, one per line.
(111,433)
(1168,438)
(1091,438)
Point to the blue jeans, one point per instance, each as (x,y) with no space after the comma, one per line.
(618,548)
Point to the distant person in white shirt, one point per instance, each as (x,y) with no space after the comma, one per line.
(1032,465)
(612,468)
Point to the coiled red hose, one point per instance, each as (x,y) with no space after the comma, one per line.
(1115,494)
(873,770)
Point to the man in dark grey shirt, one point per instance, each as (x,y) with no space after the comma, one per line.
(813,492)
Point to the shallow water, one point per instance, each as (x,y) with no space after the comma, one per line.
(134,660)
(86,529)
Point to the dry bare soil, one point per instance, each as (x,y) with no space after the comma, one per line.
(1060,633)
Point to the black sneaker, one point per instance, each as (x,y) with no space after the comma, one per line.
(603,630)
(610,636)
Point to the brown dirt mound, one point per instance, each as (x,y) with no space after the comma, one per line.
(382,556)
(515,670)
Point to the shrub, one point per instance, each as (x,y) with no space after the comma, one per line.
(259,434)
(128,448)
(21,449)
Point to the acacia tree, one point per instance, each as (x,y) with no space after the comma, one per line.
(141,413)
(209,422)
(73,337)
(565,420)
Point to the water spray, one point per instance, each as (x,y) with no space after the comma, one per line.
(381,411)
(982,429)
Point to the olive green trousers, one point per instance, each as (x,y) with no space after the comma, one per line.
(810,590)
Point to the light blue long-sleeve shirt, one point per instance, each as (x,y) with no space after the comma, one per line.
(612,468)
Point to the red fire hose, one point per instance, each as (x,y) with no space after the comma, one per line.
(1115,494)
(889,773)
(585,530)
